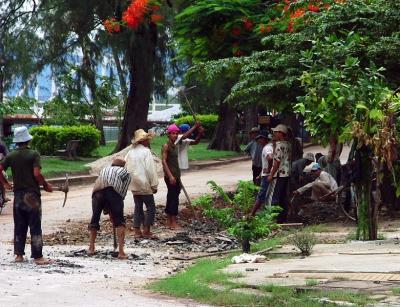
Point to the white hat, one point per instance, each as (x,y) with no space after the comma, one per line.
(21,135)
(141,135)
(280,128)
(309,156)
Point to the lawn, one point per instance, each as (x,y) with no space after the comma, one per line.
(54,166)
(205,283)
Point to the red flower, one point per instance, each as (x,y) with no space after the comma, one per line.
(298,13)
(236,31)
(155,8)
(248,25)
(290,26)
(156,18)
(262,28)
(313,8)
(134,14)
(111,25)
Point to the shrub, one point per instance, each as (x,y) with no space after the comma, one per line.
(304,241)
(234,215)
(47,139)
(209,122)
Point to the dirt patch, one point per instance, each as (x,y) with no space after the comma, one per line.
(196,235)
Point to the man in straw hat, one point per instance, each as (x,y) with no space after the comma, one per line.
(142,168)
(27,210)
(108,194)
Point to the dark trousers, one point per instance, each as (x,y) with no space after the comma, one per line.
(112,202)
(27,213)
(280,197)
(256,172)
(138,215)
(171,207)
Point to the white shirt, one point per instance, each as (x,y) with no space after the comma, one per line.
(113,176)
(142,168)
(183,147)
(324,177)
(266,154)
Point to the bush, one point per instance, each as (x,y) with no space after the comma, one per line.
(209,122)
(47,139)
(304,241)
(234,215)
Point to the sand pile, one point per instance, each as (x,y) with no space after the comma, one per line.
(97,165)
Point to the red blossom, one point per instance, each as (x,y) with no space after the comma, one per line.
(313,8)
(248,25)
(111,25)
(155,8)
(156,18)
(134,14)
(262,28)
(236,31)
(298,13)
(290,26)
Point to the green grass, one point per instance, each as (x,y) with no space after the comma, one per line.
(198,283)
(53,167)
(196,152)
(396,290)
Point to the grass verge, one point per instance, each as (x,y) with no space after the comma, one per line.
(205,283)
(55,166)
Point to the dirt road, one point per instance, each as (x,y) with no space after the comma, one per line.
(82,281)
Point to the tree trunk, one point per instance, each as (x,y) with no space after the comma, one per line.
(141,60)
(1,99)
(367,211)
(250,121)
(122,82)
(224,137)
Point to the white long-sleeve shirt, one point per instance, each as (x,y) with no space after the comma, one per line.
(142,168)
(324,177)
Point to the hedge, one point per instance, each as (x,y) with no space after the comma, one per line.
(208,121)
(48,139)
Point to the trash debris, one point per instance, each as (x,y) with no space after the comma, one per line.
(247,258)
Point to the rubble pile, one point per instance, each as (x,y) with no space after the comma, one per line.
(197,235)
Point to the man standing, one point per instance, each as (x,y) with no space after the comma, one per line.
(183,142)
(108,193)
(27,210)
(140,165)
(254,150)
(322,185)
(172,175)
(279,176)
(268,149)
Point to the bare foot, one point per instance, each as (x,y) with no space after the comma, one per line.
(122,256)
(138,234)
(90,252)
(149,235)
(42,261)
(19,258)
(175,227)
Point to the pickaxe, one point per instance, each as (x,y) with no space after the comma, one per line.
(64,188)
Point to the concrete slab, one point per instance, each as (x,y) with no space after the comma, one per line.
(366,261)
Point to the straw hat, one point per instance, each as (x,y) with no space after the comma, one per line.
(21,135)
(309,156)
(141,135)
